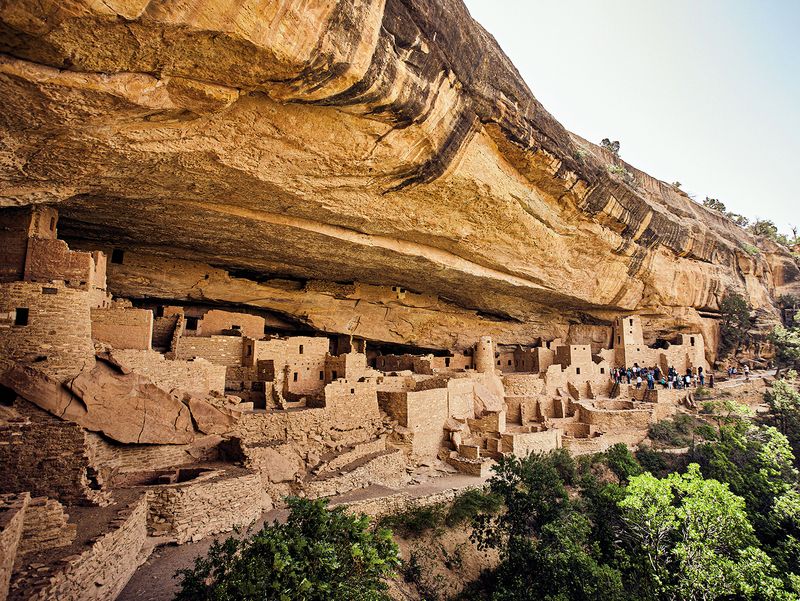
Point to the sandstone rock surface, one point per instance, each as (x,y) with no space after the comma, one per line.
(389,143)
(125,407)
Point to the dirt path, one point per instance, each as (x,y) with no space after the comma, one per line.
(154,581)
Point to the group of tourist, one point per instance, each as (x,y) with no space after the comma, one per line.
(652,376)
(734,371)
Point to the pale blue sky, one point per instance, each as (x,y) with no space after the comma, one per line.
(705,92)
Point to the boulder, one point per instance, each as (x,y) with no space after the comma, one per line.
(127,408)
(210,418)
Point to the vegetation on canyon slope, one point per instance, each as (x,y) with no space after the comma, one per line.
(721,522)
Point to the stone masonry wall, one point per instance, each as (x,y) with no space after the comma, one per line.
(12,515)
(49,458)
(198,508)
(198,376)
(113,458)
(46,526)
(97,574)
(123,327)
(58,327)
(222,350)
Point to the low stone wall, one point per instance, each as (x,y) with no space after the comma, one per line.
(97,574)
(12,516)
(113,458)
(523,444)
(381,506)
(45,527)
(198,376)
(623,419)
(210,504)
(387,469)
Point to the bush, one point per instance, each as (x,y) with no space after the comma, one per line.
(622,462)
(469,504)
(319,554)
(415,520)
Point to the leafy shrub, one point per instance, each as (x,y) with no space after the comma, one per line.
(415,520)
(651,461)
(622,462)
(319,554)
(469,504)
(751,250)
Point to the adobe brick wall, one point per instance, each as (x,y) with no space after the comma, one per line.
(198,376)
(49,458)
(123,327)
(59,327)
(214,503)
(221,350)
(12,516)
(100,572)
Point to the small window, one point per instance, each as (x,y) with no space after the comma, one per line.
(578,370)
(509,361)
(638,350)
(602,370)
(191,323)
(352,391)
(322,375)
(631,323)
(52,224)
(21,318)
(294,377)
(447,361)
(692,340)
(160,311)
(301,349)
(498,362)
(237,328)
(47,290)
(117,255)
(619,339)
(334,375)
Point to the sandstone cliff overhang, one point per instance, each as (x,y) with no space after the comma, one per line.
(382,142)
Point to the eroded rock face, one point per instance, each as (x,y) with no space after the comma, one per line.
(388,143)
(126,407)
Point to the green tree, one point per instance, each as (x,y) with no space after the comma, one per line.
(783,398)
(765,228)
(545,542)
(319,554)
(714,204)
(787,346)
(735,324)
(622,462)
(696,538)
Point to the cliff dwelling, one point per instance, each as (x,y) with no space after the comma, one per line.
(229,277)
